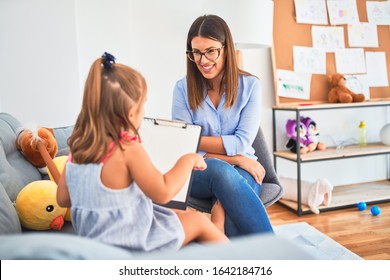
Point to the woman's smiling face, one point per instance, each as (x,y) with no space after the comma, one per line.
(210,69)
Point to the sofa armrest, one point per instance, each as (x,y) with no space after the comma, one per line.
(9,220)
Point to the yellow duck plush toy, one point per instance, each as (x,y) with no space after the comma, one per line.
(36,204)
(37,207)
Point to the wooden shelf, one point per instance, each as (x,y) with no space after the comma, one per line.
(333,153)
(349,195)
(343,196)
(317,105)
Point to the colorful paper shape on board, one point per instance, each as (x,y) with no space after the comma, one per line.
(292,84)
(378,12)
(311,12)
(309,60)
(328,38)
(358,84)
(342,12)
(350,61)
(363,34)
(376,69)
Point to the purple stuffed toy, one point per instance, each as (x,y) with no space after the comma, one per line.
(291,126)
(312,135)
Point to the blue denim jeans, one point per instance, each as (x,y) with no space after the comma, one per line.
(238,193)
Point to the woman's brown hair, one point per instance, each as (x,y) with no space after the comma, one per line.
(214,28)
(109,94)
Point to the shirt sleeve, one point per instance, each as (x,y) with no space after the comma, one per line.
(180,106)
(242,139)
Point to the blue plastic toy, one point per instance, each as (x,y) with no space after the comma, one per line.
(362,206)
(375,210)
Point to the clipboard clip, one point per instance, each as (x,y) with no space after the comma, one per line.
(170,123)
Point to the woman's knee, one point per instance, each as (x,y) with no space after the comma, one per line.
(220,169)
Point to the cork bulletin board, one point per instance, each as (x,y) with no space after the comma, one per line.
(288,33)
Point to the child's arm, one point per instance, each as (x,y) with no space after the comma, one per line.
(161,188)
(63,198)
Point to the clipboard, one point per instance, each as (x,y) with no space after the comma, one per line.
(166,141)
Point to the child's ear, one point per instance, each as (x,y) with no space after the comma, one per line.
(131,113)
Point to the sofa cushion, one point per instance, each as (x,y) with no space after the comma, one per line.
(62,134)
(57,246)
(15,171)
(9,220)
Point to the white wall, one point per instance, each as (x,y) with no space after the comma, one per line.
(39,61)
(145,34)
(47,47)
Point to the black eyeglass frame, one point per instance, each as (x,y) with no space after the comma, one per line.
(204,54)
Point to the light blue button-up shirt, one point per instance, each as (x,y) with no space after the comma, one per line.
(237,125)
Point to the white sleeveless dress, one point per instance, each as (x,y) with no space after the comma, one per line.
(125,217)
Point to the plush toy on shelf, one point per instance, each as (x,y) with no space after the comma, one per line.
(291,129)
(36,204)
(312,134)
(339,93)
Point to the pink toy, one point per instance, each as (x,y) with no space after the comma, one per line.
(312,135)
(292,135)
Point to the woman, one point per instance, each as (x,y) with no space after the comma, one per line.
(226,102)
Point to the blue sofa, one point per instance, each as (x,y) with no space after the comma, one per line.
(18,243)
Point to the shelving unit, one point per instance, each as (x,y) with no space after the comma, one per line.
(342,196)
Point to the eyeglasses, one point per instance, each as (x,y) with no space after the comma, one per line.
(210,54)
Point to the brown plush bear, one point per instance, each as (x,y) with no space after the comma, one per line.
(39,146)
(339,93)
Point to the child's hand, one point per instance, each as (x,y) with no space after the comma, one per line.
(199,164)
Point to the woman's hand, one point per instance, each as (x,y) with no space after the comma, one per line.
(252,166)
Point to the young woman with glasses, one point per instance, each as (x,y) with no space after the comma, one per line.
(226,102)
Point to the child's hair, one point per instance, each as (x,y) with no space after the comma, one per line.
(111,89)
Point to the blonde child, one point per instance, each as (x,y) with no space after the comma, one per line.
(110,182)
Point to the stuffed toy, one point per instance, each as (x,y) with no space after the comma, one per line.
(339,93)
(36,204)
(313,194)
(312,134)
(39,146)
(37,208)
(60,163)
(291,126)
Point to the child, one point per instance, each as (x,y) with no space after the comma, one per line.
(110,182)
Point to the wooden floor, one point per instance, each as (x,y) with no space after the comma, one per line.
(359,231)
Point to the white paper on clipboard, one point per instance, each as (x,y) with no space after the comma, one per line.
(166,141)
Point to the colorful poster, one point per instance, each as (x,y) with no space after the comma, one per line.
(350,61)
(327,38)
(309,60)
(292,84)
(342,12)
(363,34)
(311,11)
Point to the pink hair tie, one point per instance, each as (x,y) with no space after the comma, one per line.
(125,136)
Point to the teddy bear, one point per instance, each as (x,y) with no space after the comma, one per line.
(291,127)
(339,93)
(39,146)
(312,134)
